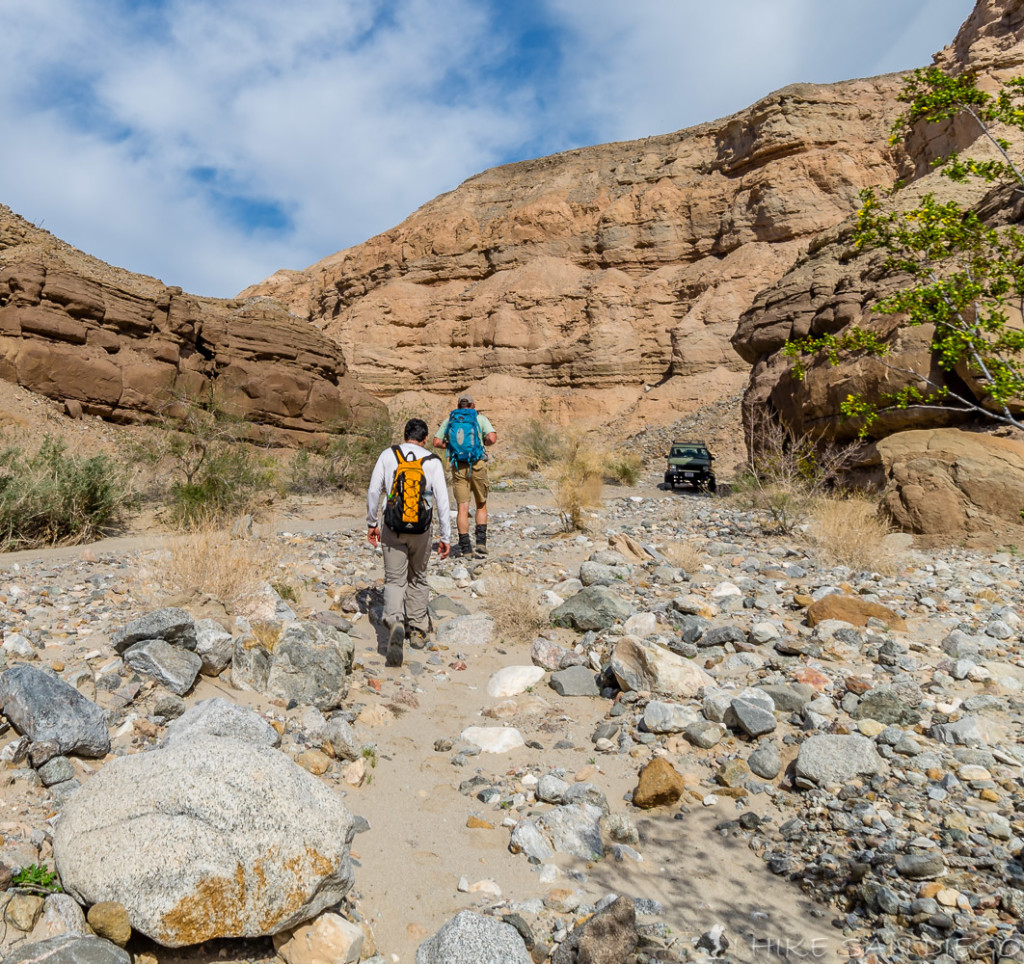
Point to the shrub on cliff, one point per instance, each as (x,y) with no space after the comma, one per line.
(52,496)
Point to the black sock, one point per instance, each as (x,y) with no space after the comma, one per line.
(481,535)
(464,542)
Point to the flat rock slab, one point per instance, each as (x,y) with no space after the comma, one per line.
(172,625)
(474,629)
(69,949)
(828,759)
(494,739)
(206,838)
(47,710)
(574,681)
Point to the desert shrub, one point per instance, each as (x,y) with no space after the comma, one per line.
(346,459)
(624,469)
(539,443)
(683,555)
(576,479)
(512,603)
(230,479)
(53,496)
(786,474)
(206,560)
(848,531)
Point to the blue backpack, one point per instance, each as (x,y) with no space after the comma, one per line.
(463,436)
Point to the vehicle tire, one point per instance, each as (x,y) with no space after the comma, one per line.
(712,486)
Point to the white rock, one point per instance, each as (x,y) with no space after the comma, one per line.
(638,665)
(641,624)
(494,739)
(724,589)
(17,646)
(513,680)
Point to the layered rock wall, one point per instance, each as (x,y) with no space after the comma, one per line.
(123,346)
(614,267)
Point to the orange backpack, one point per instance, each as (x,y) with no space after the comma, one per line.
(408,508)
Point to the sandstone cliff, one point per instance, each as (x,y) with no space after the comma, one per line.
(572,283)
(833,286)
(122,345)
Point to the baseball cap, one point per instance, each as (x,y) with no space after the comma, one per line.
(466,398)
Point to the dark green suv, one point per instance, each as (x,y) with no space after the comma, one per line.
(689,463)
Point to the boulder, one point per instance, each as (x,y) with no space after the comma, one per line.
(595,607)
(513,680)
(206,838)
(330,939)
(574,681)
(470,938)
(214,646)
(494,739)
(170,665)
(608,937)
(48,710)
(954,484)
(308,662)
(640,665)
(221,717)
(473,629)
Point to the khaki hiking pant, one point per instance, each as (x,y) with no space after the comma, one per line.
(406,593)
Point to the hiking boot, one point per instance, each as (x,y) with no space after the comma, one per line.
(396,636)
(417,638)
(481,549)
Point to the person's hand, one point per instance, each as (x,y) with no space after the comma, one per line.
(443,548)
(373,536)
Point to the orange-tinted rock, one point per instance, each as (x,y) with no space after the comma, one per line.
(120,345)
(854,610)
(659,785)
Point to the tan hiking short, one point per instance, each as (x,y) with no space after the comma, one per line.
(465,481)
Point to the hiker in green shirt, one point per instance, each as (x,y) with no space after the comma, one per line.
(463,434)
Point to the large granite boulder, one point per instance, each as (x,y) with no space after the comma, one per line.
(470,938)
(205,838)
(595,607)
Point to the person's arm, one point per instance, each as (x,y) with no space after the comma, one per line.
(373,494)
(434,470)
(439,439)
(487,432)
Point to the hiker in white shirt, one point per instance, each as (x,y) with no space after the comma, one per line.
(407,553)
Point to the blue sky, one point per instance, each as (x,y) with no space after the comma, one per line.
(211,142)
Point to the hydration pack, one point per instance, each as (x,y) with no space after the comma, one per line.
(463,436)
(409,508)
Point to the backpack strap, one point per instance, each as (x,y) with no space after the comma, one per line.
(398,454)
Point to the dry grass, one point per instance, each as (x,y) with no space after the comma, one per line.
(208,561)
(513,605)
(849,532)
(684,555)
(576,478)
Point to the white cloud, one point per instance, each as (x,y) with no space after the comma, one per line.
(343,116)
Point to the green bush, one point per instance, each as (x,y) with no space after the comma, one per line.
(228,480)
(346,460)
(52,496)
(624,469)
(540,443)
